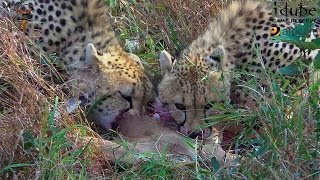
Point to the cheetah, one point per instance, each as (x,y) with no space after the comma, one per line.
(202,75)
(81,34)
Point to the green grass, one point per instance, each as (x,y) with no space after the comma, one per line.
(286,148)
(54,155)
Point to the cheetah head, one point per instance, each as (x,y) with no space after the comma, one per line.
(190,85)
(116,83)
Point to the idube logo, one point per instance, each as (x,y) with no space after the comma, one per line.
(296,10)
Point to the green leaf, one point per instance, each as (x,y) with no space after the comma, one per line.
(307,45)
(189,142)
(28,141)
(112,3)
(290,70)
(305,28)
(215,164)
(261,150)
(314,87)
(10,167)
(317,116)
(316,62)
(61,135)
(316,41)
(285,84)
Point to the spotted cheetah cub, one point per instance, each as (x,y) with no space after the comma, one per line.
(202,74)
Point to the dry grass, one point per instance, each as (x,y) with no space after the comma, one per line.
(21,101)
(27,96)
(174,23)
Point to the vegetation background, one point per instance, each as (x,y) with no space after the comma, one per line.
(33,145)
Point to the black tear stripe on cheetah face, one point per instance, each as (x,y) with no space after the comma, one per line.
(80,32)
(192,82)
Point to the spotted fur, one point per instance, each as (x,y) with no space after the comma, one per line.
(81,34)
(203,72)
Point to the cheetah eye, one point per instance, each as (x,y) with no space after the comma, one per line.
(180,106)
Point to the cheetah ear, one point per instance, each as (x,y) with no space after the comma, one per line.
(216,58)
(91,53)
(165,62)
